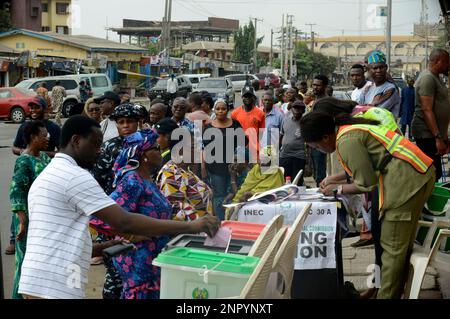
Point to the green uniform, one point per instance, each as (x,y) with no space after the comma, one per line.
(405,193)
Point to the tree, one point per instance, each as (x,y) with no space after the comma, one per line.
(5,20)
(244,40)
(152,49)
(312,63)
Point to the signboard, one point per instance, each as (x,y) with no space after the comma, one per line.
(317,240)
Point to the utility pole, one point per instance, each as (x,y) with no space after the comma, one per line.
(164,28)
(289,56)
(282,47)
(255,46)
(271,48)
(424,24)
(169,20)
(312,34)
(388,33)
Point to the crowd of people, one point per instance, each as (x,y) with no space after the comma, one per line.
(118,169)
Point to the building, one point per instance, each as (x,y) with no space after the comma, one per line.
(50,53)
(40,15)
(56,16)
(181,32)
(218,55)
(407,52)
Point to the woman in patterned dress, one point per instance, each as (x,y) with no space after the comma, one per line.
(28,166)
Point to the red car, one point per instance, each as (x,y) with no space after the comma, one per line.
(274,80)
(14,103)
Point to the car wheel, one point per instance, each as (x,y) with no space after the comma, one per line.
(67,106)
(17,115)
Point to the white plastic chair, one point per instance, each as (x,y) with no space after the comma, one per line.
(423,256)
(255,287)
(283,265)
(266,236)
(297,178)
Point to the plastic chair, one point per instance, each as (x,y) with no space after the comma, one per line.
(257,283)
(283,266)
(298,178)
(265,238)
(423,256)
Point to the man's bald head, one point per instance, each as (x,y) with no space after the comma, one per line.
(439,61)
(157,112)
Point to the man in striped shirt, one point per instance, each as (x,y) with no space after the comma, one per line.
(61,200)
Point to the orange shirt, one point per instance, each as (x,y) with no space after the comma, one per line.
(251,122)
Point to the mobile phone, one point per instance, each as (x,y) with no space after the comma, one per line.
(117,250)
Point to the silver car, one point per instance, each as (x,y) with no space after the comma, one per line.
(239,80)
(219,88)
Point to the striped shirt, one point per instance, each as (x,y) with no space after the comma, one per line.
(59,246)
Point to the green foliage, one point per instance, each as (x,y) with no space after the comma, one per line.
(5,21)
(152,49)
(312,63)
(276,63)
(244,40)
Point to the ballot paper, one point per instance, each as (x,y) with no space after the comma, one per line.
(221,239)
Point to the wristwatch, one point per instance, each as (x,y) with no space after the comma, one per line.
(439,136)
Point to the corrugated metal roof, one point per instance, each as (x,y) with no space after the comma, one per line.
(226,46)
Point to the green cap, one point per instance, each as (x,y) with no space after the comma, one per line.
(197,258)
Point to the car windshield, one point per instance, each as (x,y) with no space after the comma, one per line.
(24,84)
(26,91)
(162,84)
(212,84)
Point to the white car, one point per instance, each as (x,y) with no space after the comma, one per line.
(239,80)
(196,78)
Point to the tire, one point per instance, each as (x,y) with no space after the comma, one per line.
(67,106)
(17,115)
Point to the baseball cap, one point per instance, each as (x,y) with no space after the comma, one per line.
(248,90)
(166,126)
(40,101)
(108,95)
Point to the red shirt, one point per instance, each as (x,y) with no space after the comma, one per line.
(251,122)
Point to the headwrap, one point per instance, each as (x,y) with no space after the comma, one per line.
(134,146)
(128,110)
(376,57)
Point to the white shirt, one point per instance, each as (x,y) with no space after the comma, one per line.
(59,245)
(357,93)
(109,129)
(172,86)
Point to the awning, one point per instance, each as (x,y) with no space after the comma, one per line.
(135,74)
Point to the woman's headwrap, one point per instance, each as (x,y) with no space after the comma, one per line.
(376,57)
(128,110)
(134,147)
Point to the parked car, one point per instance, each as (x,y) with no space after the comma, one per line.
(196,78)
(274,80)
(99,83)
(14,103)
(160,89)
(342,95)
(239,80)
(219,88)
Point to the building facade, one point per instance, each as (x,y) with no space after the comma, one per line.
(41,15)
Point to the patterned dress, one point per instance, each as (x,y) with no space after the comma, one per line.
(26,169)
(190,197)
(141,280)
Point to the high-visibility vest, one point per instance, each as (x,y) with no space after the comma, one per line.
(385,117)
(396,145)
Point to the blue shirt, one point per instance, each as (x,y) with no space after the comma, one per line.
(408,105)
(274,123)
(391,104)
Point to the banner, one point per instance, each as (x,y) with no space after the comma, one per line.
(317,240)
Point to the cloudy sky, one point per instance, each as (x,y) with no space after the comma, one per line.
(330,16)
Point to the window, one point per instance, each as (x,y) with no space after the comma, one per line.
(69,84)
(45,7)
(61,29)
(99,81)
(34,12)
(45,29)
(4,94)
(62,8)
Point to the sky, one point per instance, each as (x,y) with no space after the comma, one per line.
(332,17)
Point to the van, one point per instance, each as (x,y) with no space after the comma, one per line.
(195,79)
(239,80)
(99,83)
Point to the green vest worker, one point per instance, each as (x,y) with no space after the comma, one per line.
(378,157)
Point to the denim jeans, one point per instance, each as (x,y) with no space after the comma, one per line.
(320,165)
(219,184)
